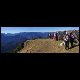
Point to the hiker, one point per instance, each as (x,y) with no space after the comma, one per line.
(66,40)
(76,39)
(56,36)
(72,37)
(49,36)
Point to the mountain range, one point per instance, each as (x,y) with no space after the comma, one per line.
(10,41)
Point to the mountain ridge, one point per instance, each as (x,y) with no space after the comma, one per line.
(45,46)
(9,42)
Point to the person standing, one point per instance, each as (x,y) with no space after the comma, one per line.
(76,39)
(66,40)
(56,36)
(72,37)
(49,36)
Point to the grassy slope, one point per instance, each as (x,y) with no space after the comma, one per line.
(46,46)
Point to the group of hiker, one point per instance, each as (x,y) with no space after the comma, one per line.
(72,37)
(55,36)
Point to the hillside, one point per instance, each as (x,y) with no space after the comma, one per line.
(45,46)
(9,42)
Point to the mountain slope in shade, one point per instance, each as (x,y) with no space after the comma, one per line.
(45,46)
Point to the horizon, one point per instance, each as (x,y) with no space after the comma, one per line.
(14,30)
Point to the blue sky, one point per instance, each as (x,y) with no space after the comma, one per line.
(35,29)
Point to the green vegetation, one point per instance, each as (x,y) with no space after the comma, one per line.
(18,48)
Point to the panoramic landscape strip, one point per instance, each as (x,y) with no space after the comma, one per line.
(39,39)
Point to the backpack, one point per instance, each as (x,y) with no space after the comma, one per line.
(67,37)
(72,36)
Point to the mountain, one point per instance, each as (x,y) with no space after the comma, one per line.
(9,41)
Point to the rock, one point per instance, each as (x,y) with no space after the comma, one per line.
(63,43)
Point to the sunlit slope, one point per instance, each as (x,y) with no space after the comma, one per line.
(46,46)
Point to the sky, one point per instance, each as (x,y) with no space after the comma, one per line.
(35,29)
